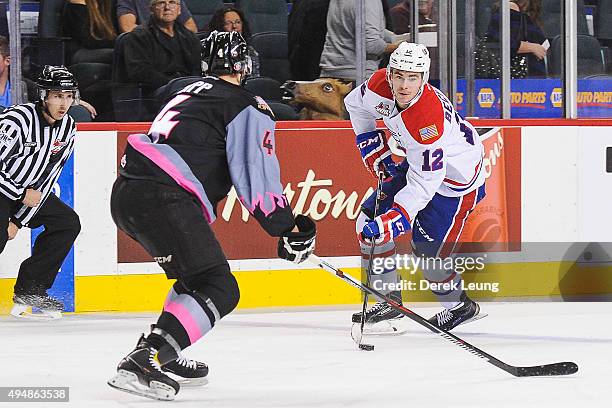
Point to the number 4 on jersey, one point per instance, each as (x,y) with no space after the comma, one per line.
(267,142)
(163,123)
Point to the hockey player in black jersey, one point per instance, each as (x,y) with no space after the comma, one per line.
(211,134)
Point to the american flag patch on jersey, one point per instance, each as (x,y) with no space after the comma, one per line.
(428,132)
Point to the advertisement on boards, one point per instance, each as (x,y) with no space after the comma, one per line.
(537,98)
(324,178)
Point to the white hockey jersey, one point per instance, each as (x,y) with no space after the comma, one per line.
(444,151)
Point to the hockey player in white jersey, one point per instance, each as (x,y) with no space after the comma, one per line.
(431,192)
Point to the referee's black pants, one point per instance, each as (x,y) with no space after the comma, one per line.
(61,227)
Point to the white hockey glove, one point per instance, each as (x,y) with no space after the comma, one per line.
(297,246)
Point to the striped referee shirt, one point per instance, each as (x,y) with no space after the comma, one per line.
(32,155)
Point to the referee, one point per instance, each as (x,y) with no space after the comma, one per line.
(36,140)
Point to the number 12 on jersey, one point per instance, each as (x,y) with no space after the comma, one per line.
(434,158)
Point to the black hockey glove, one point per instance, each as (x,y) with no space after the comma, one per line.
(297,246)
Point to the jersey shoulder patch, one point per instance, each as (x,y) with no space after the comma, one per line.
(263,105)
(425,119)
(379,85)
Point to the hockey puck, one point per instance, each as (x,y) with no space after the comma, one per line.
(366,347)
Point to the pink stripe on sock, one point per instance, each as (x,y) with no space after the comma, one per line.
(182,314)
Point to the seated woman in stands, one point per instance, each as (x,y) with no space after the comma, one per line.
(90,25)
(527,37)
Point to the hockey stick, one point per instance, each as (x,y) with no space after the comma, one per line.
(564,368)
(363,346)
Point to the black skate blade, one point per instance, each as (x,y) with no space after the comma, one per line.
(128,382)
(565,368)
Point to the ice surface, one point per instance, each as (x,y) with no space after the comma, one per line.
(307,359)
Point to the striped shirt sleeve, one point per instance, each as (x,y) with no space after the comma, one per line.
(11,141)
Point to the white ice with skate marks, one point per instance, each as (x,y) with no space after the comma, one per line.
(307,359)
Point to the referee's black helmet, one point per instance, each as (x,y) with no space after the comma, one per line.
(56,78)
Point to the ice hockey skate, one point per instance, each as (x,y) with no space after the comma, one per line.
(26,306)
(465,312)
(140,373)
(187,372)
(380,319)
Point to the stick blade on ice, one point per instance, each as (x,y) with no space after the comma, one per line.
(565,368)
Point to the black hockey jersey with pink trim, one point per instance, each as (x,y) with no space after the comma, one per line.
(210,135)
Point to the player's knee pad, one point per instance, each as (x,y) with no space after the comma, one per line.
(219,285)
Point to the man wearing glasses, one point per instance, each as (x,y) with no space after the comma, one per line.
(162,49)
(132,13)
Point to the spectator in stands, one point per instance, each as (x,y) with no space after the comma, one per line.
(132,13)
(534,10)
(28,88)
(401,15)
(232,19)
(162,49)
(338,56)
(306,37)
(384,61)
(526,34)
(90,25)
(5,83)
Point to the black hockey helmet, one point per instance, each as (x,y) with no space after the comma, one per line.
(225,53)
(56,78)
